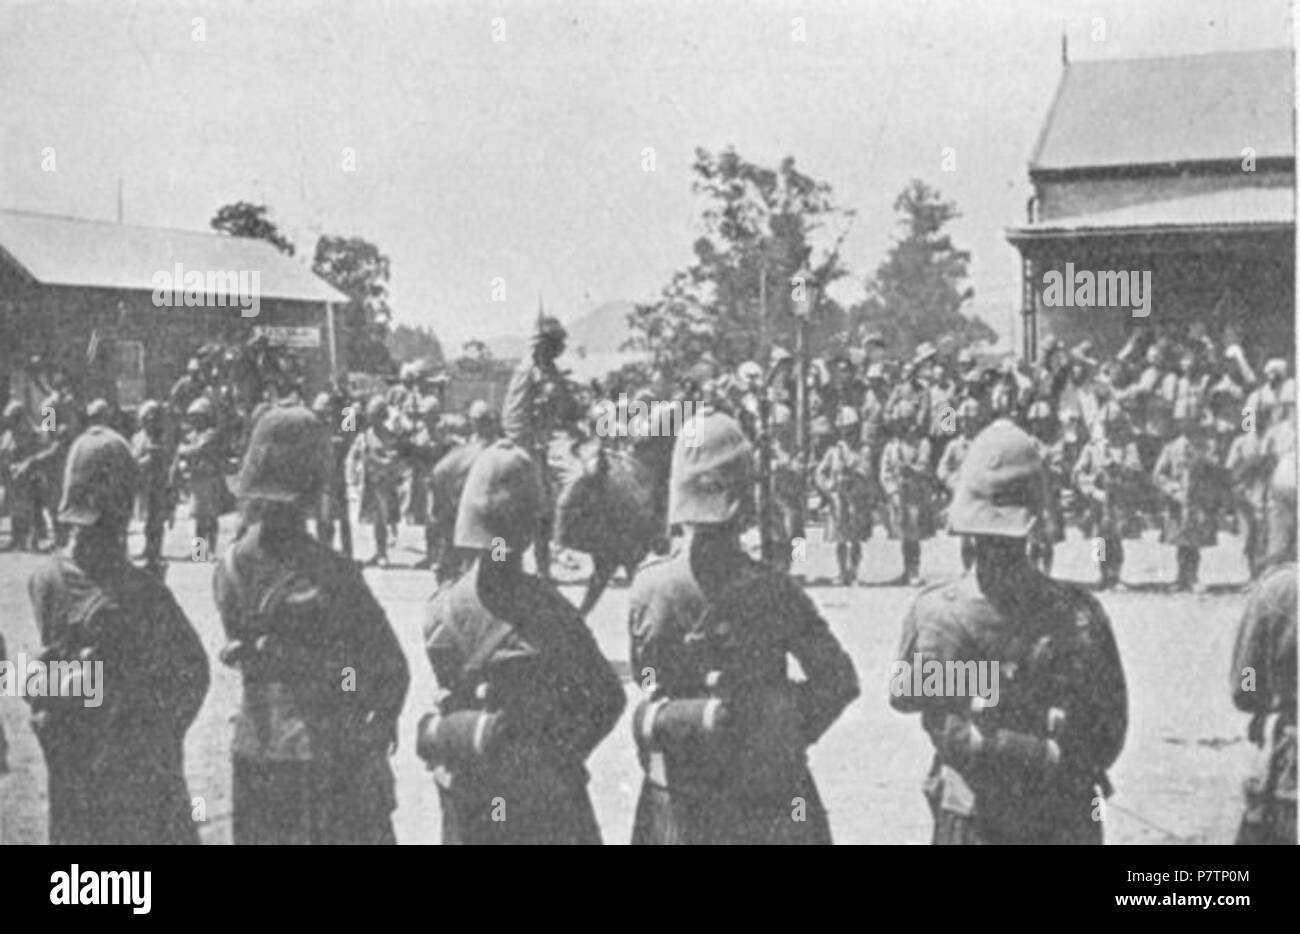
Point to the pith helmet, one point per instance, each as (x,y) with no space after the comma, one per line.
(151,410)
(502,500)
(288,457)
(376,410)
(549,329)
(750,372)
(323,404)
(200,408)
(969,409)
(1001,485)
(99,481)
(98,410)
(712,471)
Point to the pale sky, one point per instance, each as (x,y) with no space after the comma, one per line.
(522,159)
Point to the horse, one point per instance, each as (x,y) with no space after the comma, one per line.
(615,509)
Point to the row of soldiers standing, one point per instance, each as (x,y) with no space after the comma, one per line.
(722,730)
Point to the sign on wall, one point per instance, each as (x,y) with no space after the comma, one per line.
(289,336)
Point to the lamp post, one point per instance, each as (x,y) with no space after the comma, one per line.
(805,294)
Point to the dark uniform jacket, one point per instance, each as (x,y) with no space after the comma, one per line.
(1263,680)
(323,683)
(1056,651)
(528,656)
(116,771)
(713,802)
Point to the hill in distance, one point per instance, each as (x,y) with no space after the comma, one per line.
(599,332)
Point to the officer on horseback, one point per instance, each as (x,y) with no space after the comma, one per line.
(538,402)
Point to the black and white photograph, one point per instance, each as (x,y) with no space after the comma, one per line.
(574,422)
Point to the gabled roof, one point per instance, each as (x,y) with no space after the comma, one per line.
(1154,111)
(1257,209)
(75,251)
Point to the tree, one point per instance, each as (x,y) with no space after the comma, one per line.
(759,225)
(917,292)
(356,268)
(245,219)
(407,343)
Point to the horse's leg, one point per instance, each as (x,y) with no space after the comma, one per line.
(602,569)
(634,562)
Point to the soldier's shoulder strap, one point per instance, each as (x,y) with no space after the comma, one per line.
(490,631)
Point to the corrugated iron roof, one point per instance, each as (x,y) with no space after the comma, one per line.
(75,251)
(1233,208)
(1151,111)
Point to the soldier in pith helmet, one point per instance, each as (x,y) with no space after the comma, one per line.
(116,761)
(723,731)
(1109,475)
(448,483)
(539,402)
(525,694)
(844,477)
(1049,531)
(1263,674)
(970,419)
(908,485)
(20,447)
(156,498)
(201,463)
(374,466)
(323,675)
(1022,749)
(333,509)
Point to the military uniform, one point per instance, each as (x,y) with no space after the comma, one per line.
(333,508)
(525,693)
(692,802)
(116,771)
(448,481)
(723,733)
(948,471)
(19,446)
(843,477)
(1109,474)
(1026,764)
(529,655)
(201,462)
(1184,475)
(906,482)
(156,498)
(376,469)
(323,675)
(1263,683)
(1049,531)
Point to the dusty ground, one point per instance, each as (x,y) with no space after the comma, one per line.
(1177,780)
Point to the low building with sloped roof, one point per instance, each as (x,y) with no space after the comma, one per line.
(121,307)
(1175,171)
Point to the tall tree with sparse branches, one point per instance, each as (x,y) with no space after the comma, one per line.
(758,225)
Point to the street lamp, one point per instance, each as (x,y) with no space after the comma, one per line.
(805,293)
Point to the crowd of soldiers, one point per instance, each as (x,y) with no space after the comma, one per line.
(722,729)
(1172,433)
